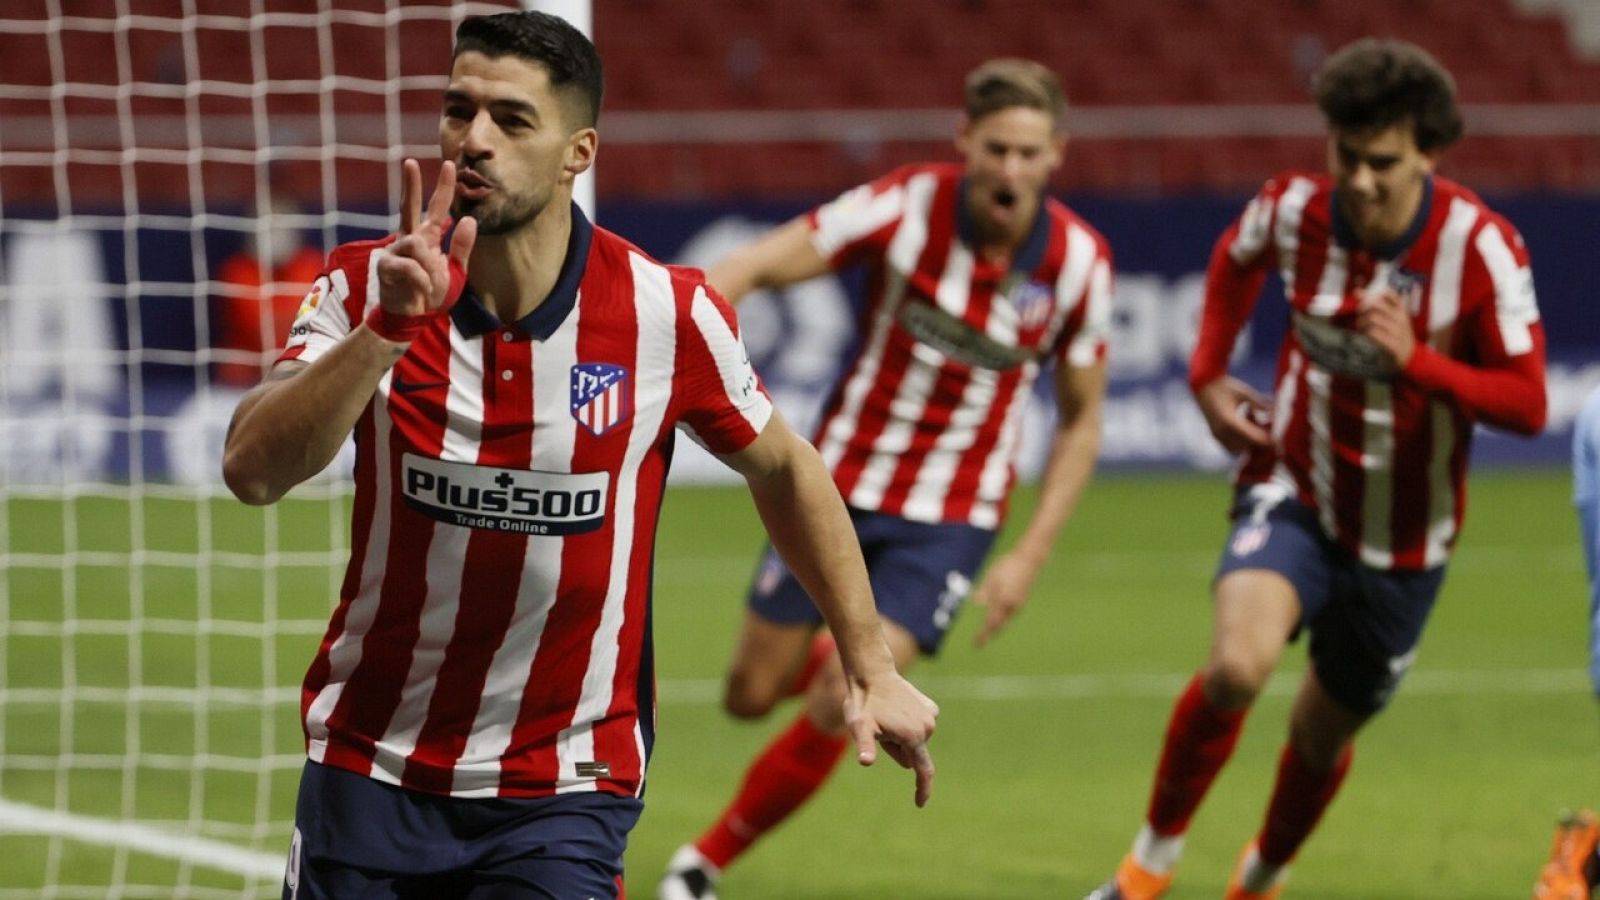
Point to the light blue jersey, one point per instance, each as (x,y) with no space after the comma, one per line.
(1586,494)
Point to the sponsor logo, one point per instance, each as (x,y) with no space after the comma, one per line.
(956,588)
(1250,538)
(1339,349)
(312,301)
(496,499)
(600,396)
(958,340)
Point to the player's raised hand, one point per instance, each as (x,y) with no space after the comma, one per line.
(1002,592)
(892,712)
(416,276)
(1236,414)
(1384,319)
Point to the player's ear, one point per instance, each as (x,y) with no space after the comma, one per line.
(963,138)
(582,145)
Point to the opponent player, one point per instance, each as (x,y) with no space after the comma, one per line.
(1412,318)
(480,713)
(977,282)
(1586,494)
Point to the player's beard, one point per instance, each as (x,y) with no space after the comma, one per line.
(500,213)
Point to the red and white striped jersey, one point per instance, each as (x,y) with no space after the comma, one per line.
(492,636)
(926,421)
(1381,455)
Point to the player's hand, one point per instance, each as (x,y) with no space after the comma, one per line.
(1236,413)
(1384,319)
(892,712)
(1002,592)
(415,274)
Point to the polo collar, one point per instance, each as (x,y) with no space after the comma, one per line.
(1030,254)
(473,319)
(1346,235)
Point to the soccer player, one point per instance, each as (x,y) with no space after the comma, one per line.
(978,281)
(1586,494)
(481,710)
(1411,319)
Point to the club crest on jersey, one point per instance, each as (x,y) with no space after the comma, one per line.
(1409,286)
(599,396)
(1250,538)
(1031,299)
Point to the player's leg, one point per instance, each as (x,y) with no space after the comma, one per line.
(779,649)
(920,574)
(1586,495)
(1273,571)
(1362,644)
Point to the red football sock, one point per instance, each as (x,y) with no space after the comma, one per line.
(822,648)
(780,780)
(1299,798)
(1200,738)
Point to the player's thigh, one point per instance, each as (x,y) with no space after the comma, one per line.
(922,573)
(767,658)
(1364,642)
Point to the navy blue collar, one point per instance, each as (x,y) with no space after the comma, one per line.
(1030,254)
(1346,236)
(473,319)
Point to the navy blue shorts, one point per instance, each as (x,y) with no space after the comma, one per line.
(1364,622)
(920,573)
(359,838)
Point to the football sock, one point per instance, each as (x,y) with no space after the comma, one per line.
(1155,853)
(822,648)
(1257,876)
(780,780)
(1200,738)
(1298,800)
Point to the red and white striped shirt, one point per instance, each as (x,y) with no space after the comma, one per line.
(1381,455)
(492,633)
(926,422)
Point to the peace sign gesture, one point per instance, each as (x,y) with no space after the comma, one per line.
(417,278)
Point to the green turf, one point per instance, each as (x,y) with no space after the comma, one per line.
(1453,794)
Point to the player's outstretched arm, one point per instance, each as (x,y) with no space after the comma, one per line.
(290,426)
(811,530)
(780,257)
(1006,584)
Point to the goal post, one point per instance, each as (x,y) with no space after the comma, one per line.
(171,174)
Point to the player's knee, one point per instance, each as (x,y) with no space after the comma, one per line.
(747,695)
(1234,680)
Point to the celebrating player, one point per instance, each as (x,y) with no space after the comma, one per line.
(977,282)
(1412,318)
(480,713)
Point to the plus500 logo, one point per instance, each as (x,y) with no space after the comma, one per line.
(554,503)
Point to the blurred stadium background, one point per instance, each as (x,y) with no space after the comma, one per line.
(172,170)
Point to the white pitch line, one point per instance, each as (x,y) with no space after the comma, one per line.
(1158,686)
(25,819)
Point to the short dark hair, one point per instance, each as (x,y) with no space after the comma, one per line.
(1005,83)
(566,54)
(1376,83)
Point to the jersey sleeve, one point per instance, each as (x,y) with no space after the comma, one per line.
(722,404)
(333,306)
(860,221)
(1234,277)
(1503,381)
(1085,339)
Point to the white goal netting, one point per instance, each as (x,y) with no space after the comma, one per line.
(171,172)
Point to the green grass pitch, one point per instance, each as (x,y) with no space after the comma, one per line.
(1046,741)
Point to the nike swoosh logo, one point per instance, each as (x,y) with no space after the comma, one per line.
(407,387)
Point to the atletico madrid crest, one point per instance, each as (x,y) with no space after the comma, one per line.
(599,396)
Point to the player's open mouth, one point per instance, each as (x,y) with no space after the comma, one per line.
(1005,198)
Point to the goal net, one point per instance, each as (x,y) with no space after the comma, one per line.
(171,172)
